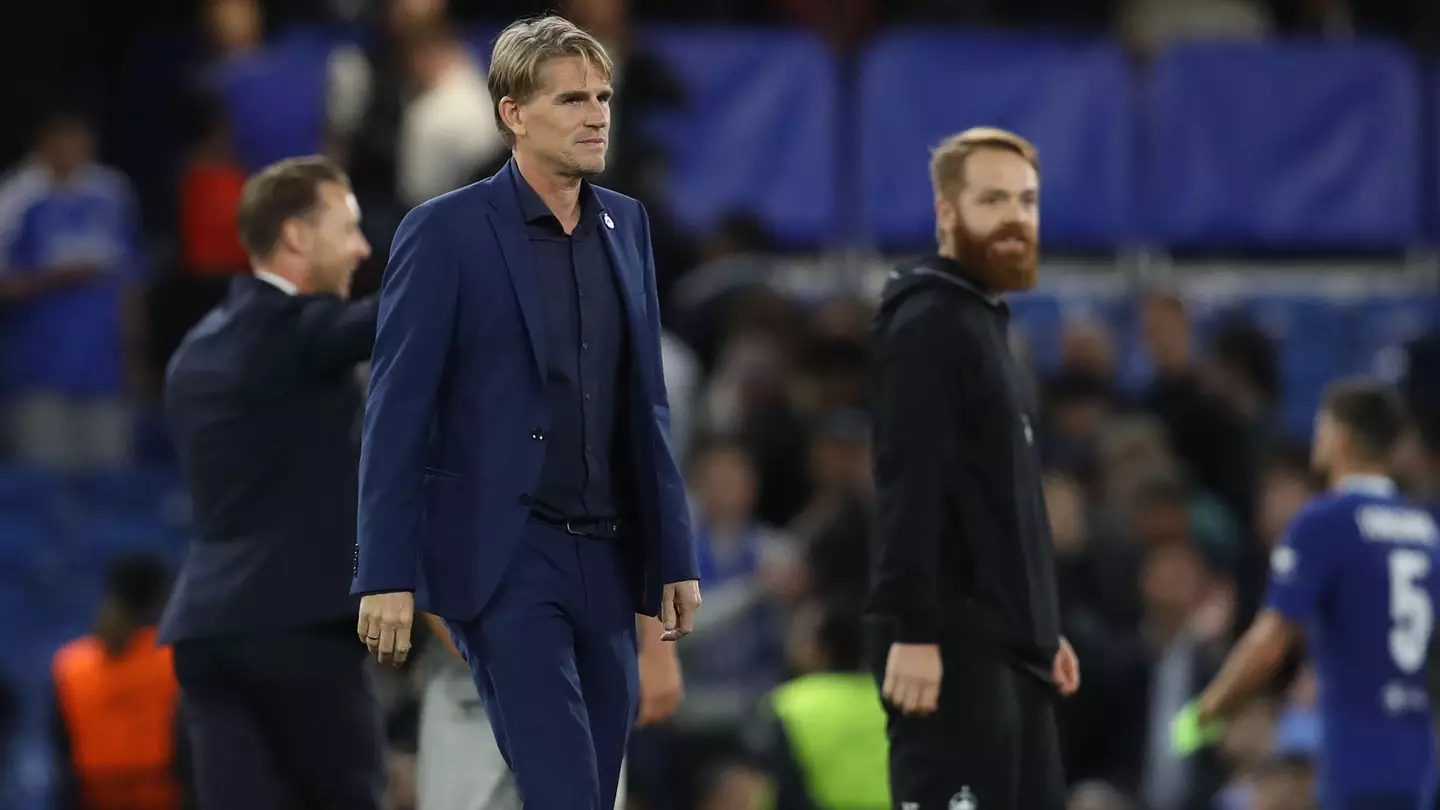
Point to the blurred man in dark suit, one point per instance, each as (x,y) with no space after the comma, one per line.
(264,404)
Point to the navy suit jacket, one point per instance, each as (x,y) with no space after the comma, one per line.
(456,420)
(264,406)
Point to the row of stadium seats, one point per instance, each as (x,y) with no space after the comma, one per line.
(1288,144)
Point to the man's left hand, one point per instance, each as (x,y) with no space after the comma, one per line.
(1066,670)
(677,608)
(661,687)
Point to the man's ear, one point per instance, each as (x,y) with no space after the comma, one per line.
(295,235)
(510,114)
(944,210)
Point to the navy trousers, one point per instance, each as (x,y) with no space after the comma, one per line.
(553,656)
(282,720)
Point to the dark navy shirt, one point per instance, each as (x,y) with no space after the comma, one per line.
(585,342)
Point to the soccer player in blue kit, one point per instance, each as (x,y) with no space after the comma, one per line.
(1357,571)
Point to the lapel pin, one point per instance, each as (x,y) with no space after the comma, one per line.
(609,223)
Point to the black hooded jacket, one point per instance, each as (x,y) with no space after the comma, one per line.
(962,549)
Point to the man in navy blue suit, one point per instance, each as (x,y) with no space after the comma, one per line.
(516,476)
(264,405)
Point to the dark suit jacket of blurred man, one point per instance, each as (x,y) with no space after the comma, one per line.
(264,406)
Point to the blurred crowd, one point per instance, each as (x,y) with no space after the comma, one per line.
(1164,498)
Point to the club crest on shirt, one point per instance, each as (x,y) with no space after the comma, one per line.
(964,800)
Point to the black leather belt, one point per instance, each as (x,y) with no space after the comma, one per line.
(597,528)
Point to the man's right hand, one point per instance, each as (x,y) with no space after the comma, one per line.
(384,627)
(912,677)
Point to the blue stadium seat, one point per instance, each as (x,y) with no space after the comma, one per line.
(156,493)
(1383,325)
(760,132)
(276,101)
(101,537)
(25,540)
(30,491)
(1072,98)
(1289,145)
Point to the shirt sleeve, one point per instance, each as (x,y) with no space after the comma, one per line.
(1302,566)
(917,407)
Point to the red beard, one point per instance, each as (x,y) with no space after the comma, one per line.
(1000,271)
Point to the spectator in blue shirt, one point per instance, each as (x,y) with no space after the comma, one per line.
(70,303)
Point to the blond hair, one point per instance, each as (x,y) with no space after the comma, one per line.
(521,52)
(947,160)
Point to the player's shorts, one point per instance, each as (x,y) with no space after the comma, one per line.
(993,744)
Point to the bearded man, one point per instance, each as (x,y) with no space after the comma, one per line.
(963,617)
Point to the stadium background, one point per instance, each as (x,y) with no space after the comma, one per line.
(1239,205)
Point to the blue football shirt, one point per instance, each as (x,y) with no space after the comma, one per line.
(1358,569)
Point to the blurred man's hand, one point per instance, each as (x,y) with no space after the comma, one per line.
(661,686)
(1066,670)
(384,626)
(912,677)
(677,608)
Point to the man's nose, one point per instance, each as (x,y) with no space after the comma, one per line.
(364,248)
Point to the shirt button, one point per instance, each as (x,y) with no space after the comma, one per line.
(587,397)
(584,346)
(538,435)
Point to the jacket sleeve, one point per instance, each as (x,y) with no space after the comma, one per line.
(678,561)
(412,342)
(917,410)
(338,334)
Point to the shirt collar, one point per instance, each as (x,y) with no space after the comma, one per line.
(533,208)
(1377,485)
(280,283)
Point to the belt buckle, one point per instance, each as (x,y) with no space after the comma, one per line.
(570,529)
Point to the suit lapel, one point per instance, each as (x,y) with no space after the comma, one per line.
(627,284)
(509,226)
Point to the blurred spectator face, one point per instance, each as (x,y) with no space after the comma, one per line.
(802,646)
(840,464)
(1079,419)
(844,318)
(1285,786)
(1248,738)
(566,125)
(1087,348)
(234,25)
(1306,689)
(603,18)
(408,15)
(1167,331)
(1172,582)
(1327,445)
(1131,451)
(1157,524)
(1096,796)
(1065,503)
(993,228)
(67,146)
(1281,495)
(1412,468)
(725,485)
(337,246)
(737,787)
